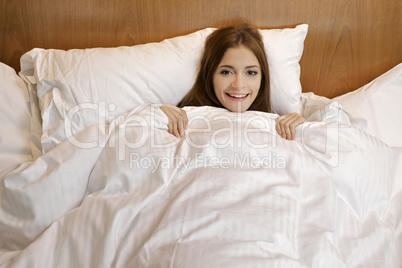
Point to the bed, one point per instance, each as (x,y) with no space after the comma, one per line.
(90,176)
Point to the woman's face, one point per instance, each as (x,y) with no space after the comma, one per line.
(237,79)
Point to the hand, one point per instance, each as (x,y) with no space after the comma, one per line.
(178,121)
(286,125)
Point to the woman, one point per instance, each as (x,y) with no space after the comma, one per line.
(234,75)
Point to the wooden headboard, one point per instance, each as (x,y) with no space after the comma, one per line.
(349,42)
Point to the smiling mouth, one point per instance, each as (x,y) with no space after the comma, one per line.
(238,96)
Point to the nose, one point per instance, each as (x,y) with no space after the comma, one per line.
(238,82)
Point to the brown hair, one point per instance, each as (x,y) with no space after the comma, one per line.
(202,92)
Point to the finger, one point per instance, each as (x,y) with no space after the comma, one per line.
(170,123)
(282,129)
(288,132)
(288,125)
(180,126)
(299,120)
(278,126)
(292,131)
(170,126)
(181,122)
(175,128)
(285,125)
(168,115)
(175,118)
(293,126)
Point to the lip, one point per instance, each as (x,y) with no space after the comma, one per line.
(237,96)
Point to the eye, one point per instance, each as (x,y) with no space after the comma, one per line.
(226,72)
(252,73)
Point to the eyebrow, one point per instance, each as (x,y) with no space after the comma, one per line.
(231,67)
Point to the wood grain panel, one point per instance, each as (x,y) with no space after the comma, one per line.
(349,42)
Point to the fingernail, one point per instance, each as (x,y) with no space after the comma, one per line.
(182,133)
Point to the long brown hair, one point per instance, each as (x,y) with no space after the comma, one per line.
(202,93)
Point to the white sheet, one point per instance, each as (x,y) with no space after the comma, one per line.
(232,193)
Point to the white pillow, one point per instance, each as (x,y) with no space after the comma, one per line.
(81,87)
(380,103)
(15,142)
(284,49)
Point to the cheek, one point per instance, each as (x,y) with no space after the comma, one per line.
(255,87)
(218,85)
(257,84)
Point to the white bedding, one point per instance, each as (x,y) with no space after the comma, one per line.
(106,82)
(232,193)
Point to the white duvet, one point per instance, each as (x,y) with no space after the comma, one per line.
(231,193)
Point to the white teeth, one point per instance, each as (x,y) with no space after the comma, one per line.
(237,96)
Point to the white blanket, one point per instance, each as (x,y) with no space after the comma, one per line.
(231,193)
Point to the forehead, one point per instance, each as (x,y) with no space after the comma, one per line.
(239,55)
